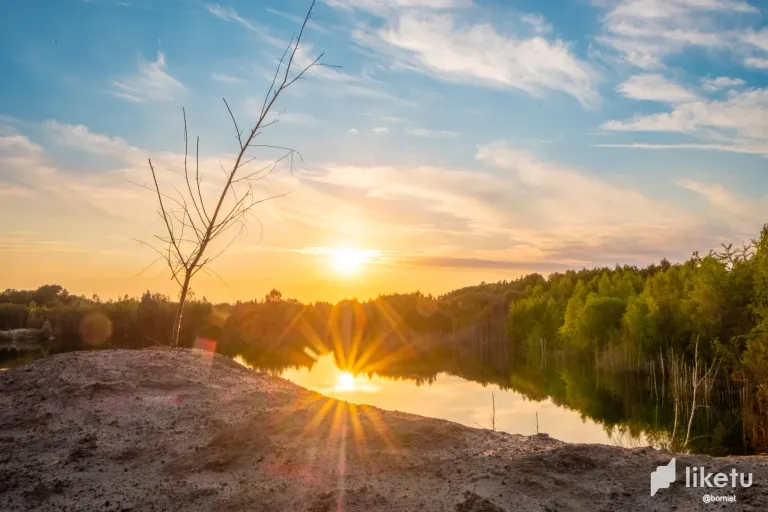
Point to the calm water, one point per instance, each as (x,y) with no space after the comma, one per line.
(567,396)
(453,398)
(571,400)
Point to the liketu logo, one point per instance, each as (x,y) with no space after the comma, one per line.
(664,476)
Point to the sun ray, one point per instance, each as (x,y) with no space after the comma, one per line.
(379,426)
(319,416)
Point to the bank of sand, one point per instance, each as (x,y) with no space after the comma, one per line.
(166,429)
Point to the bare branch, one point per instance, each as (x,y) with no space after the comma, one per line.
(168,224)
(186,169)
(239,136)
(186,255)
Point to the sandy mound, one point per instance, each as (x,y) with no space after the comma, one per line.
(183,430)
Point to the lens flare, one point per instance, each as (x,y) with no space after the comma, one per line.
(347,261)
(345,382)
(95,328)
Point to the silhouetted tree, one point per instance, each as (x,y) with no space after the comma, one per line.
(206,222)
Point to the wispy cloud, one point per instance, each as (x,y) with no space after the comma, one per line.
(478,262)
(384,6)
(298,20)
(151,82)
(431,134)
(510,210)
(79,137)
(514,210)
(645,32)
(756,62)
(721,82)
(381,130)
(253,106)
(229,14)
(759,42)
(297,118)
(654,87)
(444,46)
(728,148)
(737,211)
(736,123)
(537,22)
(716,194)
(227,79)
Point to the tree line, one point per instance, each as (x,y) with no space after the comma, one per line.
(708,311)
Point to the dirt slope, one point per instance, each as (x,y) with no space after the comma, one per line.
(183,430)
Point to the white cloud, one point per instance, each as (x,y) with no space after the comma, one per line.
(736,123)
(537,22)
(716,194)
(79,137)
(561,214)
(382,130)
(397,120)
(150,83)
(298,20)
(431,134)
(742,112)
(444,46)
(296,118)
(728,148)
(334,82)
(229,14)
(645,32)
(721,82)
(353,131)
(758,39)
(383,6)
(253,107)
(570,196)
(756,62)
(512,207)
(654,87)
(741,213)
(227,79)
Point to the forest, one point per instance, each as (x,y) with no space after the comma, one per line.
(686,325)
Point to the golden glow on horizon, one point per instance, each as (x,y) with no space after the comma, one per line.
(348,261)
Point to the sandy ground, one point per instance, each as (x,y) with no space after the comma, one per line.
(184,430)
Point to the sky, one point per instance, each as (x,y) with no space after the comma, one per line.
(443,143)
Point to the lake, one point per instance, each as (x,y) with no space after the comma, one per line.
(455,399)
(566,395)
(563,396)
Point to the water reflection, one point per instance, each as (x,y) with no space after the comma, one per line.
(451,398)
(565,395)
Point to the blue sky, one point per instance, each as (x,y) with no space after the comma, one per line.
(461,139)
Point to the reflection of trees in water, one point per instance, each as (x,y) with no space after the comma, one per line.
(629,404)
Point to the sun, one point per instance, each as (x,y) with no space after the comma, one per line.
(347,261)
(345,382)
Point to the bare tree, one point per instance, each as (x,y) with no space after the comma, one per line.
(191,223)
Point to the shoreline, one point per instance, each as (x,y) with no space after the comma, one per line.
(183,429)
